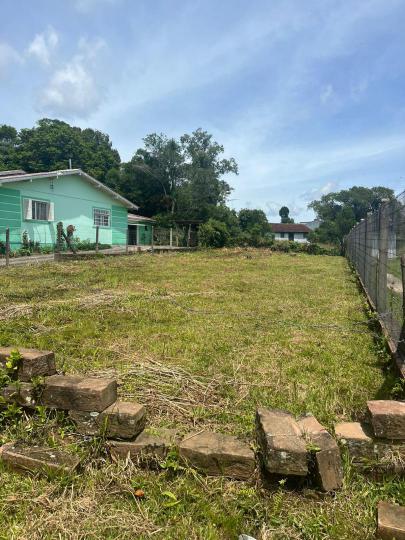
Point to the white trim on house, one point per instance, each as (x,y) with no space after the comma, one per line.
(67,172)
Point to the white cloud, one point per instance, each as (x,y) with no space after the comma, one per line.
(43,46)
(73,91)
(8,56)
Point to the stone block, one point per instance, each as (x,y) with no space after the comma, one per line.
(79,393)
(354,437)
(37,459)
(328,462)
(391,456)
(216,454)
(283,449)
(21,393)
(122,420)
(34,363)
(387,418)
(390,521)
(151,444)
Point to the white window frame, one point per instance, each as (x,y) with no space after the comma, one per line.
(102,217)
(32,209)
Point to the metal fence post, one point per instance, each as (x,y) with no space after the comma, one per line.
(7,246)
(97,236)
(382,258)
(127,241)
(403,286)
(152,244)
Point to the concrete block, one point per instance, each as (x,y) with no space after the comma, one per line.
(390,521)
(34,363)
(387,418)
(79,393)
(328,462)
(122,420)
(216,454)
(37,459)
(280,439)
(21,393)
(151,444)
(354,438)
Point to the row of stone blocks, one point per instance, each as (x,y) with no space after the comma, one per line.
(287,447)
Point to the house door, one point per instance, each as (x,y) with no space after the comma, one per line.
(132,241)
(291,236)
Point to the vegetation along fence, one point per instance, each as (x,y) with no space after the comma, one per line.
(376,249)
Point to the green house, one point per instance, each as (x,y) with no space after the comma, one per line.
(35,203)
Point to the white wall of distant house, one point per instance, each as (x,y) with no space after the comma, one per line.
(298,237)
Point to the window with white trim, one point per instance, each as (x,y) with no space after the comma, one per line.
(101,217)
(38,210)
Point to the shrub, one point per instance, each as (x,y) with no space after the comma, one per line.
(213,234)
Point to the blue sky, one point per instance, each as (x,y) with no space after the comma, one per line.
(308,96)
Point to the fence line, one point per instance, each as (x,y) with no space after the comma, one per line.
(376,249)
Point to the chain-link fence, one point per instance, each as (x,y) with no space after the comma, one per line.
(376,249)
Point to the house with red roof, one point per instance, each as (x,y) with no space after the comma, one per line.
(294,232)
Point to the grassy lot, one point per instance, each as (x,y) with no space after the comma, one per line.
(202,339)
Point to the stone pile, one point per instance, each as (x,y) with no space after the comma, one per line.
(378,443)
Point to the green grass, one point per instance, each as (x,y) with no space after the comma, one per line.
(202,339)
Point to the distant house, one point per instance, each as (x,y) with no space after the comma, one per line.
(35,203)
(295,232)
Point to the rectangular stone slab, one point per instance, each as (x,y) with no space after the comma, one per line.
(216,454)
(387,418)
(150,444)
(21,393)
(280,439)
(37,459)
(122,420)
(34,363)
(354,437)
(391,521)
(328,462)
(79,393)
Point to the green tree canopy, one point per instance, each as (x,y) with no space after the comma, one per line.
(183,177)
(49,145)
(284,214)
(339,211)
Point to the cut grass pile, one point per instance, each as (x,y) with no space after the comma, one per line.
(202,339)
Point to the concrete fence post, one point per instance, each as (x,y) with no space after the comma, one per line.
(97,236)
(7,246)
(382,257)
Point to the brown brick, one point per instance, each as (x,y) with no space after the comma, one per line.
(122,420)
(388,418)
(329,470)
(283,448)
(354,438)
(21,393)
(34,362)
(79,393)
(391,521)
(216,454)
(150,444)
(37,459)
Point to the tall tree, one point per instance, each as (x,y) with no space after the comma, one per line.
(284,214)
(339,211)
(181,177)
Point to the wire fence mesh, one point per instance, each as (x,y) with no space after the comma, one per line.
(376,249)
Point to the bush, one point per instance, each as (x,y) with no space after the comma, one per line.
(213,234)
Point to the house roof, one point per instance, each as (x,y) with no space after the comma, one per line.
(136,219)
(18,177)
(290,227)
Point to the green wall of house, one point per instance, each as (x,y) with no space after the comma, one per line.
(74,200)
